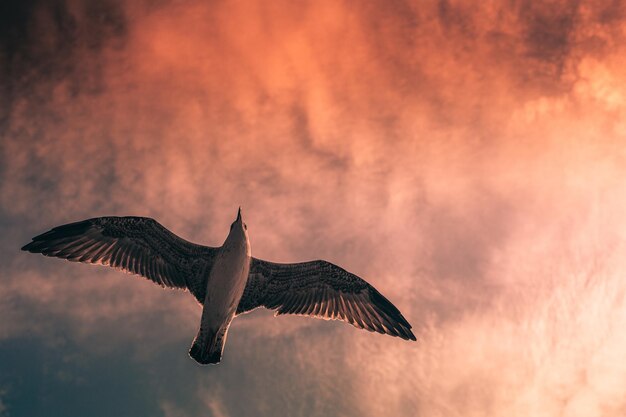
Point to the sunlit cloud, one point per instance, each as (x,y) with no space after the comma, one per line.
(466,160)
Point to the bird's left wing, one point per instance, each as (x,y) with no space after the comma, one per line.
(323,290)
(139,245)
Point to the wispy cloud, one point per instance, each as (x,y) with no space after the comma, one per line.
(467,160)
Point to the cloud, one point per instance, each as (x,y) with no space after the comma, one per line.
(466,160)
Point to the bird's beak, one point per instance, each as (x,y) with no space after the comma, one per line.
(238,215)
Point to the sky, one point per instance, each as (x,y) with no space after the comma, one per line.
(467,159)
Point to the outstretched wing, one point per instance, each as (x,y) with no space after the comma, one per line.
(323,290)
(139,245)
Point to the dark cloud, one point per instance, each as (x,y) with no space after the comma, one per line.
(464,159)
(46,43)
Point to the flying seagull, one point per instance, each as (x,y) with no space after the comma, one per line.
(227,281)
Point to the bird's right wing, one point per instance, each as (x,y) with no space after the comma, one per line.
(139,245)
(323,290)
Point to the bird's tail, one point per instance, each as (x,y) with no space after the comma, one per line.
(208,345)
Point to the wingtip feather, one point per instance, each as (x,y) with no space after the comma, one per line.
(27,247)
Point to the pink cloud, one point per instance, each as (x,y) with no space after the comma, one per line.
(467,160)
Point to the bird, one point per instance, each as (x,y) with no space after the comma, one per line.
(227,281)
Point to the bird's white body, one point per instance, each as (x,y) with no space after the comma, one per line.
(227,279)
(225,285)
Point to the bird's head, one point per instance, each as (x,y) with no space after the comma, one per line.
(239,221)
(239,229)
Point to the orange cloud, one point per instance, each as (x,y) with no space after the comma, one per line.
(466,159)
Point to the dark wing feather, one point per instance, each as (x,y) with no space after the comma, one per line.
(138,245)
(323,290)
